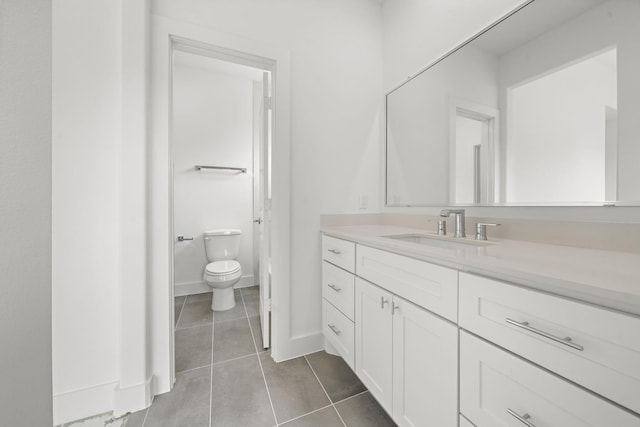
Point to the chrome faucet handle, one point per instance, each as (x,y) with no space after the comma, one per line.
(442,228)
(481,229)
(459,217)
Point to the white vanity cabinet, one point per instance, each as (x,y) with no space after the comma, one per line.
(406,355)
(553,339)
(374,341)
(591,346)
(338,266)
(442,347)
(500,389)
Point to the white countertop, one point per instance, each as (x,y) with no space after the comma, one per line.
(606,278)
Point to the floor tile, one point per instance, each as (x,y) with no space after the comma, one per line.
(193,347)
(327,417)
(256,330)
(363,411)
(236,312)
(336,376)
(294,388)
(195,314)
(239,395)
(232,339)
(200,297)
(136,419)
(186,405)
(251,298)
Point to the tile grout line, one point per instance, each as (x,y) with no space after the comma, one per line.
(325,391)
(195,326)
(351,397)
(308,413)
(234,359)
(175,327)
(193,369)
(255,346)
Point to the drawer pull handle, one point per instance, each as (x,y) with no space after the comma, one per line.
(334,287)
(524,419)
(334,251)
(394,307)
(334,329)
(383,302)
(566,340)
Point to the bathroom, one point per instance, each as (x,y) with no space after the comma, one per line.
(101,180)
(206,196)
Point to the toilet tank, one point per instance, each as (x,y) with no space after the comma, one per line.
(222,244)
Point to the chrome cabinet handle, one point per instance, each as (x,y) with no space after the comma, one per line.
(394,307)
(383,302)
(524,419)
(334,251)
(334,287)
(566,340)
(334,329)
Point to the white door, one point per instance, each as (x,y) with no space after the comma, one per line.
(425,367)
(374,340)
(263,218)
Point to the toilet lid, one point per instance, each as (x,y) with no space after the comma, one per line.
(222,267)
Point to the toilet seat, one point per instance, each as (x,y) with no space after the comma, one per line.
(218,268)
(221,273)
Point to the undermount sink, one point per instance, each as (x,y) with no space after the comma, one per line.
(439,242)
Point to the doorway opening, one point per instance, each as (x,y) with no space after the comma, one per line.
(473,150)
(169,38)
(221,114)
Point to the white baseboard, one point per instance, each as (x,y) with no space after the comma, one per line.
(132,398)
(78,404)
(191,288)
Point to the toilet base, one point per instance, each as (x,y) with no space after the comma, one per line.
(223,299)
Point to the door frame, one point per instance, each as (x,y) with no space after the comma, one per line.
(490,148)
(166,36)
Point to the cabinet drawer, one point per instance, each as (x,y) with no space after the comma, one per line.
(430,286)
(603,353)
(339,331)
(497,387)
(338,288)
(339,252)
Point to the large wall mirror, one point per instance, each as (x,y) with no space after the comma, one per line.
(542,108)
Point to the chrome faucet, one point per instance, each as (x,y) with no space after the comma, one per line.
(459,217)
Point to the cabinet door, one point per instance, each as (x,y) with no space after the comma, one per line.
(425,367)
(500,389)
(374,330)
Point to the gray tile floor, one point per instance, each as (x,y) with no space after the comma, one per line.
(225,378)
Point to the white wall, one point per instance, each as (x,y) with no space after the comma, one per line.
(335,121)
(86,132)
(212,125)
(99,312)
(417,32)
(25,212)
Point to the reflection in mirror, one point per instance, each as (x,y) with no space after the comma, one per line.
(541,109)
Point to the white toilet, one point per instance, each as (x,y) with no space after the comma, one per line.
(222,271)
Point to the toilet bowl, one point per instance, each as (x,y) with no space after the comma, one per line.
(221,276)
(223,271)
